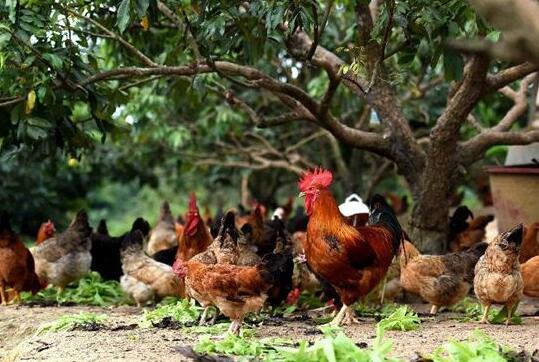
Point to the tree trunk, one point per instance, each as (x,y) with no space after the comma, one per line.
(429,224)
(429,239)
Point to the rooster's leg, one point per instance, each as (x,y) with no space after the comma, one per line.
(350,317)
(203,316)
(434,310)
(340,316)
(3,295)
(485,314)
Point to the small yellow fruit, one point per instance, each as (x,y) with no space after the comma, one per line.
(73,162)
(30,102)
(145,23)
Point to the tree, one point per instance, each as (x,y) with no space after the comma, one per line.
(285,69)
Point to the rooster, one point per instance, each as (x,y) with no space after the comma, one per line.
(353,260)
(193,239)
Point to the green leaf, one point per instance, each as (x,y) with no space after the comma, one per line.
(123,15)
(36,133)
(39,122)
(453,65)
(4,39)
(54,59)
(142,7)
(12,6)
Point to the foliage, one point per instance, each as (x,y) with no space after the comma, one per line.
(402,319)
(170,133)
(336,346)
(245,345)
(90,290)
(82,321)
(473,311)
(480,347)
(179,311)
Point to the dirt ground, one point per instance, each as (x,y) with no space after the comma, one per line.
(123,340)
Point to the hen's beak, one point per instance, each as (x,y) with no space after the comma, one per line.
(301,194)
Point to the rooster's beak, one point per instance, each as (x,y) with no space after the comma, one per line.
(301,194)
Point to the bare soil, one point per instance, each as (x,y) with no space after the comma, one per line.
(123,340)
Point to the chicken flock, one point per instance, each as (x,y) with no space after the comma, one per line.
(241,263)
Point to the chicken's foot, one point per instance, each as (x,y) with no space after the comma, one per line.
(509,314)
(485,314)
(214,318)
(203,316)
(235,327)
(434,310)
(345,316)
(17,298)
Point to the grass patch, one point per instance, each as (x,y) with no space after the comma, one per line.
(336,346)
(480,347)
(402,319)
(214,330)
(90,290)
(473,311)
(246,346)
(378,312)
(171,312)
(82,321)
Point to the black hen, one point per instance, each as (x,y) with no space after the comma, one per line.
(106,249)
(105,253)
(283,267)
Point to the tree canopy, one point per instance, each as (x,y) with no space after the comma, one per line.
(156,90)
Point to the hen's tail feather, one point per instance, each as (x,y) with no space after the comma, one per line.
(141,225)
(459,221)
(478,249)
(228,226)
(102,227)
(80,223)
(382,214)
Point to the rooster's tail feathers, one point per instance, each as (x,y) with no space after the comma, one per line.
(382,214)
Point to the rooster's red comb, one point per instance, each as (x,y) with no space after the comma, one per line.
(318,178)
(192,202)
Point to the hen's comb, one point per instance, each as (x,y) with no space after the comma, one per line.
(318,178)
(192,202)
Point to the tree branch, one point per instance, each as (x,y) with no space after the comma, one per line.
(509,75)
(473,149)
(521,104)
(137,53)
